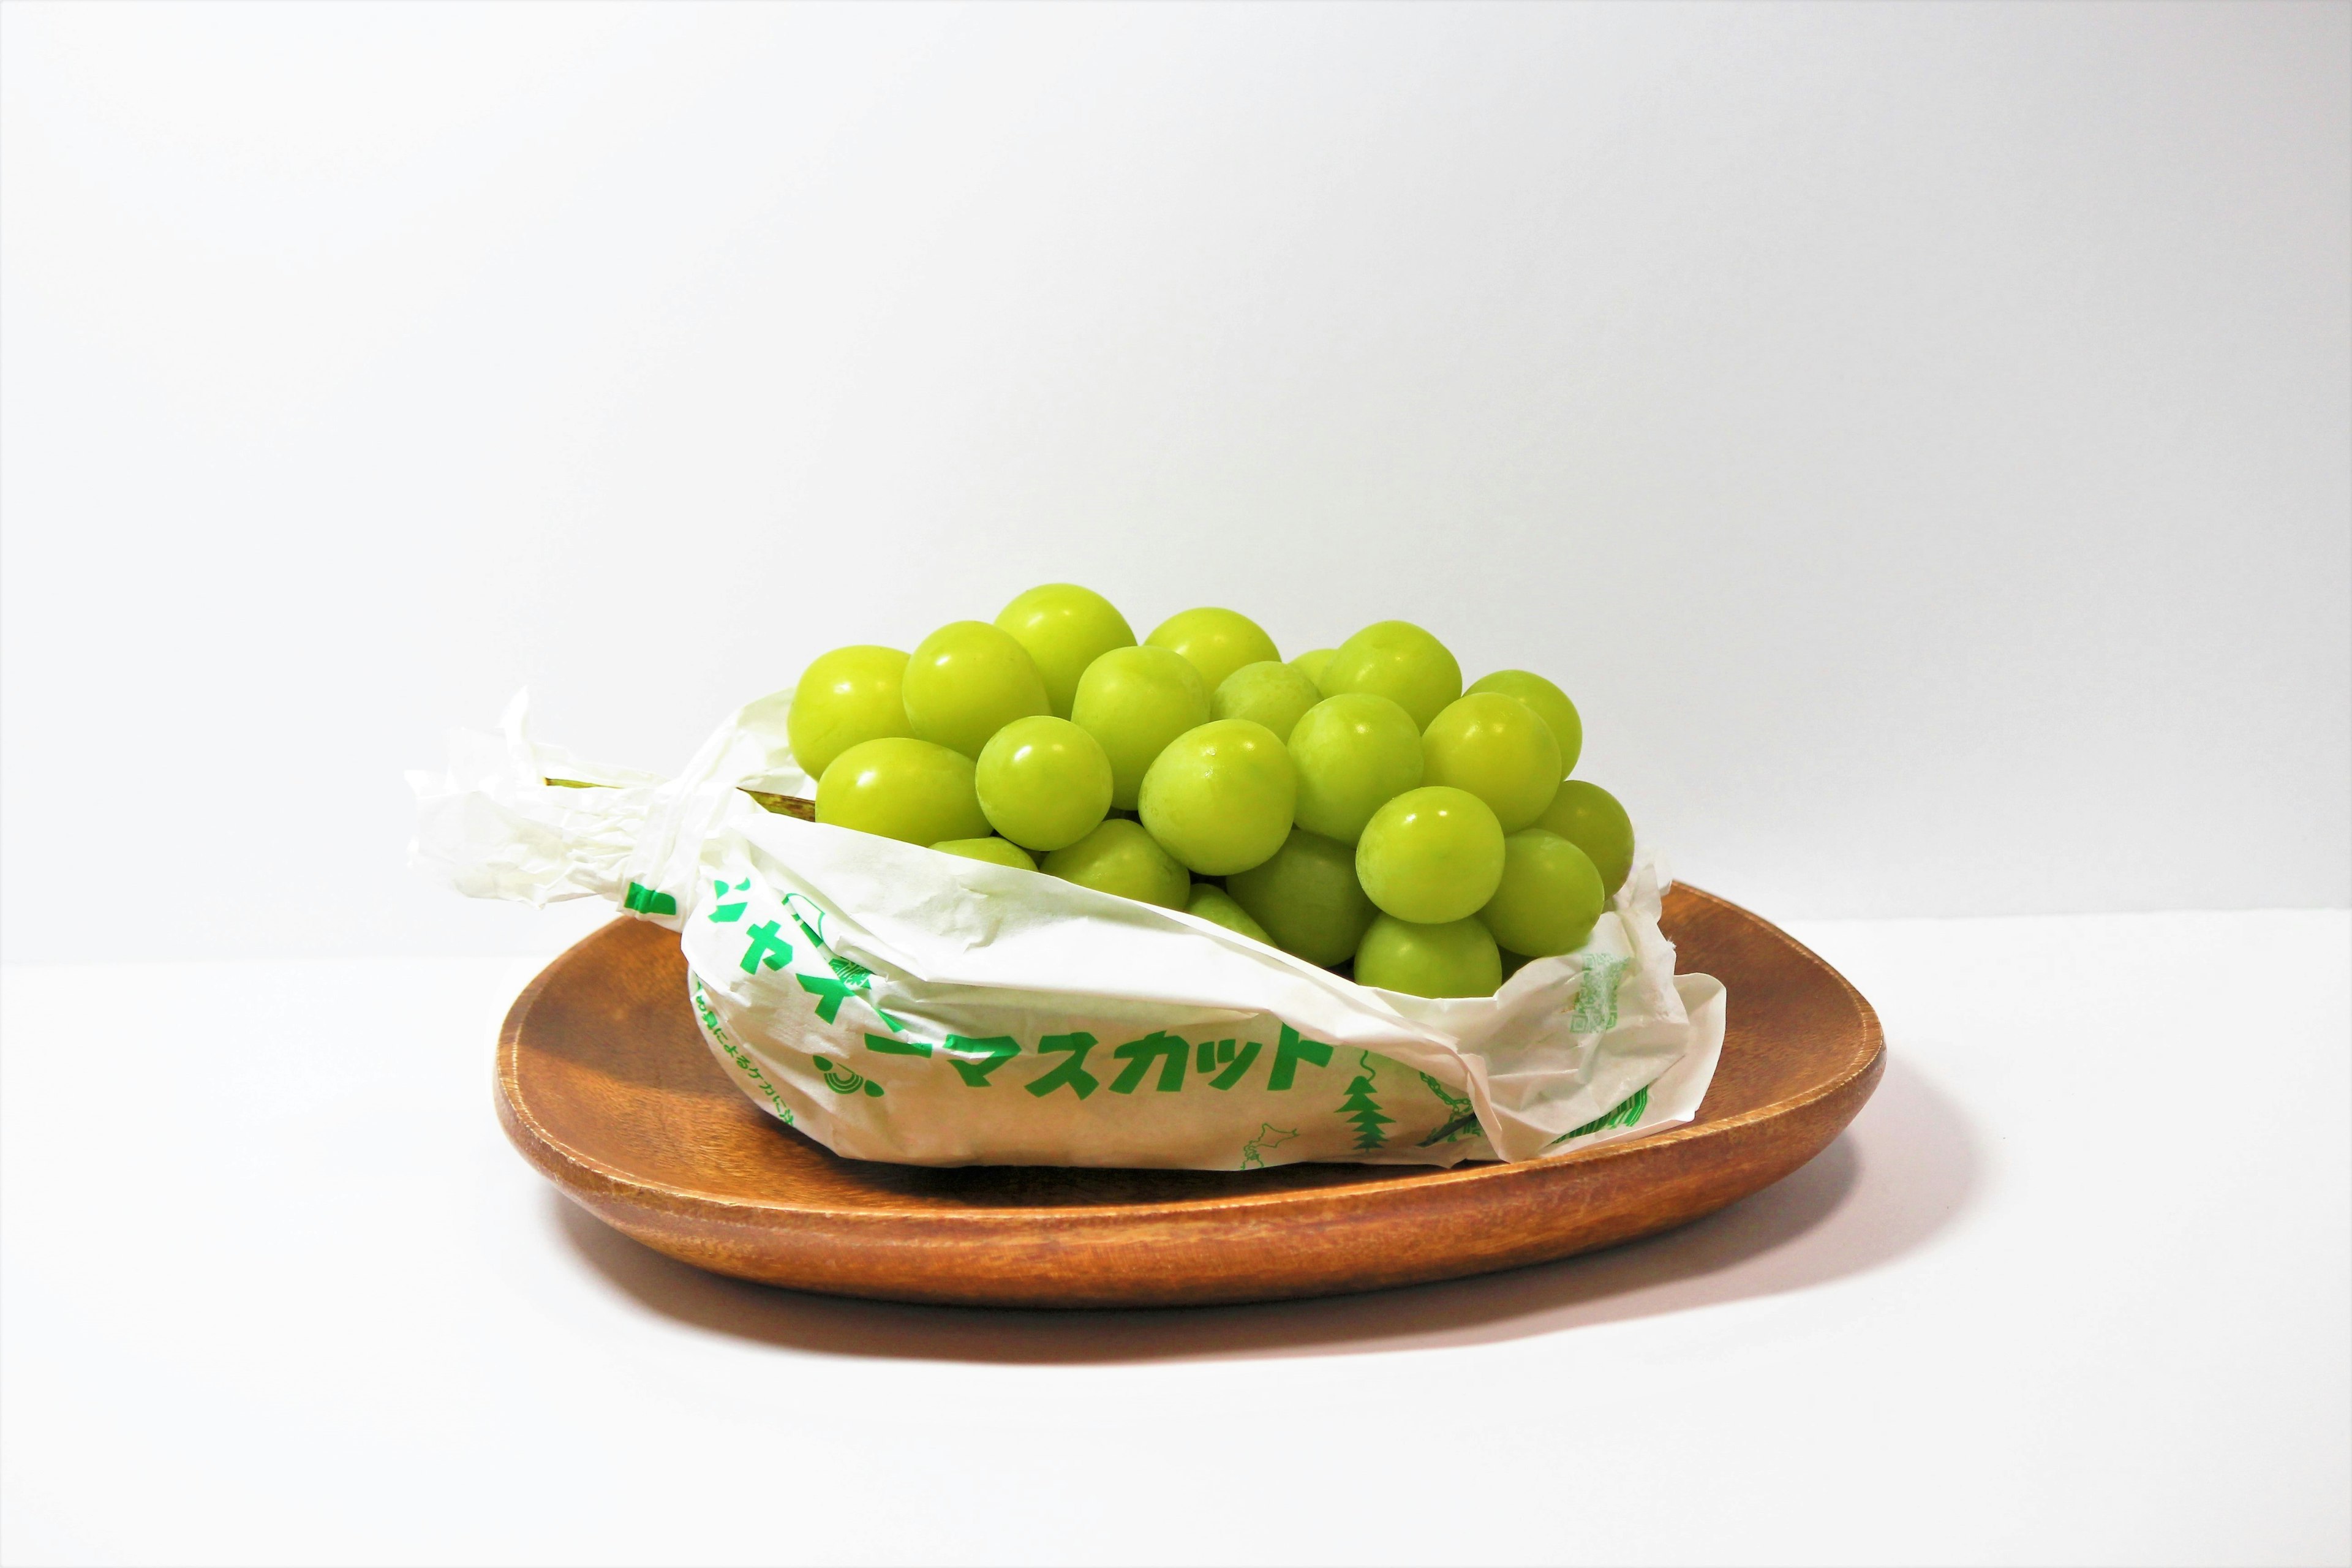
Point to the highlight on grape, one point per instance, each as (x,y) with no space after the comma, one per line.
(1356,807)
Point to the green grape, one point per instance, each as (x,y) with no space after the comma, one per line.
(1216,906)
(1513,963)
(1431,855)
(1354,754)
(1499,749)
(1312,664)
(901,788)
(1458,958)
(1549,896)
(1219,797)
(849,695)
(1135,700)
(1217,642)
(1306,898)
(996,851)
(1552,705)
(1274,695)
(968,681)
(1044,782)
(1398,660)
(1066,629)
(1590,817)
(1120,857)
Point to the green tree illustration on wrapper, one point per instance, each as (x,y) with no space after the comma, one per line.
(1362,1109)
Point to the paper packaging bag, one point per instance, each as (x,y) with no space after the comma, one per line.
(896,1003)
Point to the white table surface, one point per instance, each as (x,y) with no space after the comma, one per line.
(2074,1288)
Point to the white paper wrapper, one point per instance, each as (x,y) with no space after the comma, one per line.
(896,1003)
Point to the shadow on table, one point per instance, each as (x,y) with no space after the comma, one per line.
(1899,1174)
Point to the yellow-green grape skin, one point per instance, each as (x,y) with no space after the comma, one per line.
(1219,797)
(1312,664)
(1120,857)
(1432,856)
(1499,749)
(846,696)
(1354,753)
(995,851)
(966,682)
(1458,958)
(1590,817)
(1549,896)
(1043,782)
(1398,660)
(1135,700)
(1307,898)
(1274,695)
(1065,628)
(1552,705)
(903,788)
(1217,642)
(1217,907)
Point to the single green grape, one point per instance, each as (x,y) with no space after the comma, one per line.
(1549,896)
(1065,628)
(902,788)
(968,681)
(844,696)
(995,851)
(1135,700)
(1274,695)
(1499,749)
(1398,660)
(1120,857)
(1217,907)
(1354,754)
(1431,855)
(1590,817)
(1312,664)
(1217,642)
(1307,898)
(1552,705)
(1219,797)
(1458,958)
(1044,782)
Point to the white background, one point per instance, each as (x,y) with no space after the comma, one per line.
(1917,436)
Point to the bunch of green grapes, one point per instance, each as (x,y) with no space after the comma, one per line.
(1355,806)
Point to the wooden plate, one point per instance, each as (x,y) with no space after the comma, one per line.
(605,1086)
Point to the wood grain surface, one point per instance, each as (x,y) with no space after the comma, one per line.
(606,1087)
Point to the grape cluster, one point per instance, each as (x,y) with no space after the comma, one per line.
(1354,806)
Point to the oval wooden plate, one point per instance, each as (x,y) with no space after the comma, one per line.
(605,1086)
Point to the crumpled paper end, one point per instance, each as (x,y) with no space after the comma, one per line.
(491,826)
